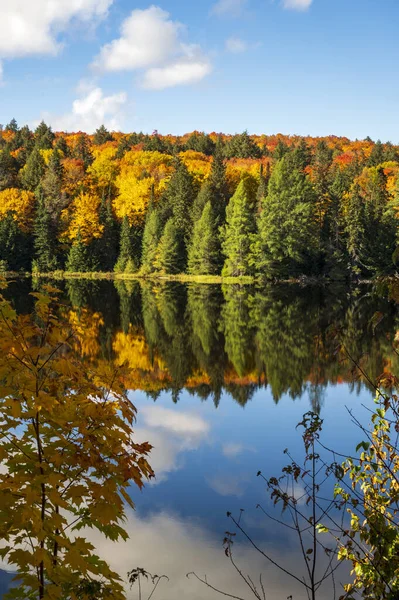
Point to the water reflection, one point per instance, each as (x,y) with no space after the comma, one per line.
(249,352)
(211,339)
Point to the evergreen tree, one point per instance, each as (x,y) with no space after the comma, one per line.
(44,137)
(107,245)
(203,254)
(33,171)
(287,224)
(200,142)
(15,246)
(377,155)
(242,146)
(264,176)
(169,257)
(218,183)
(125,257)
(12,126)
(44,238)
(301,155)
(102,136)
(238,232)
(8,170)
(62,146)
(82,150)
(151,237)
(280,150)
(180,195)
(79,257)
(123,147)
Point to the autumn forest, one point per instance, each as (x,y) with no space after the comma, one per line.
(276,207)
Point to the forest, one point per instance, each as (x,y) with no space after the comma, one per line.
(275,207)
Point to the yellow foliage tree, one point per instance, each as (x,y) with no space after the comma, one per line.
(67,455)
(82,217)
(139,173)
(21,204)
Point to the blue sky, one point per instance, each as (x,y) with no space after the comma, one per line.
(313,67)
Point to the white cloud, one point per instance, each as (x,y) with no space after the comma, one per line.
(231,450)
(235,45)
(172,433)
(150,40)
(297,4)
(147,37)
(226,484)
(178,73)
(33,26)
(90,111)
(230,8)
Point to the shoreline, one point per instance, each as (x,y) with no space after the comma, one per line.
(184,278)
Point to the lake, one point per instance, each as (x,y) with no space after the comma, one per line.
(221,375)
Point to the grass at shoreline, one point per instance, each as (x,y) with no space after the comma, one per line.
(61,275)
(182,278)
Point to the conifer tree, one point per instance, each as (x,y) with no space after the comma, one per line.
(218,183)
(151,237)
(238,232)
(44,136)
(169,258)
(102,135)
(82,150)
(44,239)
(106,247)
(264,176)
(125,257)
(62,146)
(203,254)
(8,169)
(79,257)
(180,194)
(288,233)
(33,171)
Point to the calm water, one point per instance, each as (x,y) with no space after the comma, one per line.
(220,377)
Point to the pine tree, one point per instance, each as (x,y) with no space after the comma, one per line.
(79,259)
(264,176)
(125,256)
(218,183)
(242,146)
(8,170)
(151,237)
(180,195)
(33,171)
(288,233)
(62,146)
(44,136)
(107,245)
(169,259)
(377,155)
(101,136)
(238,232)
(52,180)
(44,239)
(15,246)
(203,254)
(82,150)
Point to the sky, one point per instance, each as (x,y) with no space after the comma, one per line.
(307,67)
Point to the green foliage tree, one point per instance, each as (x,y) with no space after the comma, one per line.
(33,171)
(200,142)
(151,237)
(45,251)
(108,245)
(287,241)
(82,150)
(203,255)
(125,257)
(169,257)
(8,170)
(44,137)
(242,146)
(80,258)
(102,136)
(238,232)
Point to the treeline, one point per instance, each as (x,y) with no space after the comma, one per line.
(263,206)
(211,339)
